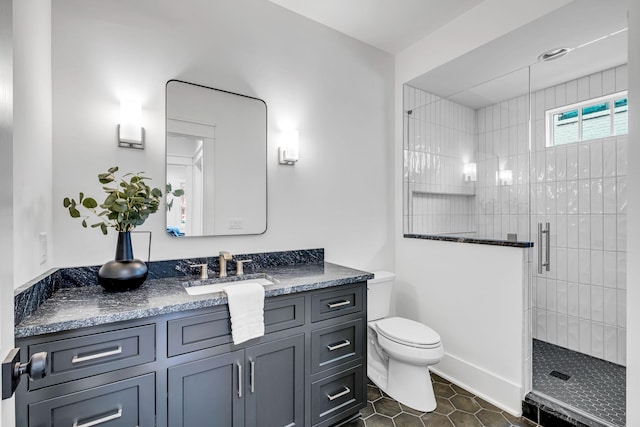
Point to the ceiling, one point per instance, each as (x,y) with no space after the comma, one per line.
(500,68)
(390,25)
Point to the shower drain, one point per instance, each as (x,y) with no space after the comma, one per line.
(563,377)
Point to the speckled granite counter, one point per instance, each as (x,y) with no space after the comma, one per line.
(72,308)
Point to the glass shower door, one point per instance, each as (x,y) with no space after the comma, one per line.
(578,224)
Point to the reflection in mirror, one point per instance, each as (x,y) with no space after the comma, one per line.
(216,154)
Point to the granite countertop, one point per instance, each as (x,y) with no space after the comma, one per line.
(73,308)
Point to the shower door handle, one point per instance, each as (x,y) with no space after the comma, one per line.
(547,263)
(547,256)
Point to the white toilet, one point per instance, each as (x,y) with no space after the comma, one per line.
(399,351)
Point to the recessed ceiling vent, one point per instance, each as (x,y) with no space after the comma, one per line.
(554,54)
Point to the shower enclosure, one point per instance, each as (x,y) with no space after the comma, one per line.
(527,150)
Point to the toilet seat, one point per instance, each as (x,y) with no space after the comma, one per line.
(408,332)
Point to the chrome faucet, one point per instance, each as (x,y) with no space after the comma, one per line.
(223,258)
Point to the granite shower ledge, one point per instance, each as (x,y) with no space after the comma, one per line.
(492,242)
(73,308)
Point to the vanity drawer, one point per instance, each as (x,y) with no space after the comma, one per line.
(336,302)
(337,394)
(207,330)
(198,332)
(335,345)
(81,357)
(124,403)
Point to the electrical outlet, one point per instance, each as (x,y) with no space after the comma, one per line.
(43,247)
(235,224)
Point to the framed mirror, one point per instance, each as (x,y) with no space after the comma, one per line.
(216,161)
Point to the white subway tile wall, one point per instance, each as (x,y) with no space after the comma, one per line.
(586,286)
(580,189)
(440,139)
(503,137)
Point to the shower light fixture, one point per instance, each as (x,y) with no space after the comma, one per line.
(469,172)
(505,177)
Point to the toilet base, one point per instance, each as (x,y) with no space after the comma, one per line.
(411,386)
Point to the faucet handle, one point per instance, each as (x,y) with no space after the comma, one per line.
(240,266)
(204,272)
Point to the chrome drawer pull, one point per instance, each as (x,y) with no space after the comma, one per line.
(338,304)
(344,343)
(344,392)
(239,379)
(100,420)
(252,378)
(78,359)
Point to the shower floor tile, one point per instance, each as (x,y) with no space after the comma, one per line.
(594,386)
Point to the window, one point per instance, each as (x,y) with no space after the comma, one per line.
(597,118)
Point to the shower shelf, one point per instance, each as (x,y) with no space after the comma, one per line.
(443,193)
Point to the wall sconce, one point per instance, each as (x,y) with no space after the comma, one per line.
(288,149)
(130,130)
(470,172)
(505,177)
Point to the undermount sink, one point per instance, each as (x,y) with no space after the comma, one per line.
(200,287)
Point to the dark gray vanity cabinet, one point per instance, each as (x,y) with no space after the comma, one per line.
(182,369)
(261,386)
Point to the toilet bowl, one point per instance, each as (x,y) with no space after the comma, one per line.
(399,350)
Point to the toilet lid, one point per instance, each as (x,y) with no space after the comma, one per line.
(409,332)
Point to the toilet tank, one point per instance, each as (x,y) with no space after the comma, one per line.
(379,295)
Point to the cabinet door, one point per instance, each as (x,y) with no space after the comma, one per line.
(275,383)
(207,392)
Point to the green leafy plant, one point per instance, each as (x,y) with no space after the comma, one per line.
(128,204)
(176,193)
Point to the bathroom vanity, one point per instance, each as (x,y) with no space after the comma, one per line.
(159,356)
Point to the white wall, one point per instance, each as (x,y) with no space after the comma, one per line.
(633,230)
(32,180)
(476,304)
(6,193)
(335,90)
(25,154)
(430,271)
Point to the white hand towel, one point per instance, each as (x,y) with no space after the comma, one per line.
(246,305)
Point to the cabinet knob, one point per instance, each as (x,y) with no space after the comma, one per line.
(12,370)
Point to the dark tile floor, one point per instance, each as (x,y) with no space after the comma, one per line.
(456,408)
(595,386)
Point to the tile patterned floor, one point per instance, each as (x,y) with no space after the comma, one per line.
(596,386)
(456,408)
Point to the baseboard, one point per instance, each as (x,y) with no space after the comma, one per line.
(498,391)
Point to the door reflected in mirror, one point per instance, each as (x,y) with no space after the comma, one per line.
(216,162)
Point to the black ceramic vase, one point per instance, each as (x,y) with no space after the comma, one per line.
(124,272)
